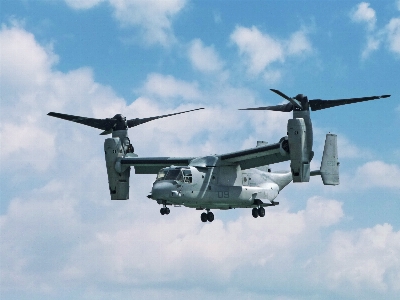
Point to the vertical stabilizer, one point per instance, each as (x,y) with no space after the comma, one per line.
(329,164)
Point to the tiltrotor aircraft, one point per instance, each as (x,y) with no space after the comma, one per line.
(239,179)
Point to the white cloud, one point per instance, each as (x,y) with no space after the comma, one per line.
(32,145)
(349,150)
(267,119)
(378,174)
(30,89)
(83,4)
(260,50)
(272,77)
(166,86)
(322,212)
(120,250)
(298,43)
(152,17)
(393,35)
(365,259)
(21,135)
(30,71)
(373,43)
(389,34)
(204,58)
(363,13)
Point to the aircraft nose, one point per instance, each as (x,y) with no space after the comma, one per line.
(161,190)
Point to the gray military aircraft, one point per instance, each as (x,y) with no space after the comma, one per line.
(239,179)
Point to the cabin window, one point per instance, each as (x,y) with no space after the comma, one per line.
(187,176)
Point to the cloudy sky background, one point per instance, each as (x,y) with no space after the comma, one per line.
(61,236)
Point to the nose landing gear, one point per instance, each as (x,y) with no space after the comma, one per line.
(164,210)
(208,216)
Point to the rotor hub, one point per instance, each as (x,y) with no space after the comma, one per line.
(120,123)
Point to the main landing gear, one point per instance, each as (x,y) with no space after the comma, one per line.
(260,211)
(208,216)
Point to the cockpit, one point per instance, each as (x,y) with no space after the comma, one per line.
(182,174)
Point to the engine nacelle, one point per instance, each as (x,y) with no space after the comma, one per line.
(284,148)
(118,182)
(299,154)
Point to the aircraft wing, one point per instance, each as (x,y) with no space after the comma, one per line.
(151,165)
(258,156)
(249,158)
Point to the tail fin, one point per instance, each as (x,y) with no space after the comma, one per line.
(329,165)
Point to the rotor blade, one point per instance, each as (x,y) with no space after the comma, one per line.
(318,104)
(284,107)
(105,132)
(281,94)
(291,100)
(137,121)
(103,124)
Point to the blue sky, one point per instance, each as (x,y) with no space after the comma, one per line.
(61,236)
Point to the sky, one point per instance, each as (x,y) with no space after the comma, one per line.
(61,237)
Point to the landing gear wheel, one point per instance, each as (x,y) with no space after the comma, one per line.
(261,212)
(203,217)
(164,211)
(254,212)
(210,216)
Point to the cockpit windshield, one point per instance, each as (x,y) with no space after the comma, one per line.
(178,174)
(173,174)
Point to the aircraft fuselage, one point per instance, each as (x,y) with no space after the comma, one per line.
(224,187)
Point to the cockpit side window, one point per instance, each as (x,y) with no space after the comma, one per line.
(161,175)
(179,174)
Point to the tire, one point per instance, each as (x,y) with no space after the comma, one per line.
(254,212)
(203,217)
(162,211)
(167,211)
(210,216)
(261,212)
